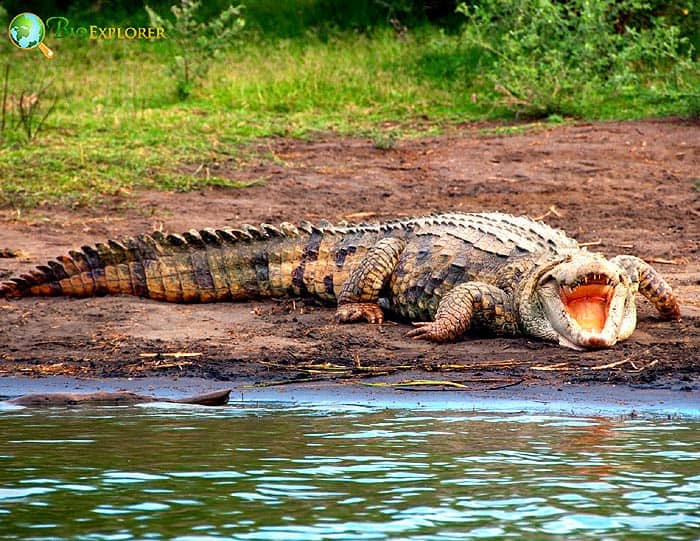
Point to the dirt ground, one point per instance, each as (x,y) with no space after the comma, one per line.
(624,187)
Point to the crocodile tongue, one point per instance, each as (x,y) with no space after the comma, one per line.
(588,305)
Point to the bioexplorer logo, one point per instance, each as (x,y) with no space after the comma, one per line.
(27,31)
(61,27)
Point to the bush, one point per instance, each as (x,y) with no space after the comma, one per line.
(196,44)
(551,57)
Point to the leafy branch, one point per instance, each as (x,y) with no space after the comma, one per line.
(196,43)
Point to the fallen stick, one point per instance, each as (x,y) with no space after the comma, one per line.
(591,243)
(422,383)
(563,367)
(679,261)
(553,367)
(552,210)
(477,365)
(176,354)
(157,365)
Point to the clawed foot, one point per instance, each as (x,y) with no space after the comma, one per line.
(359,311)
(429,330)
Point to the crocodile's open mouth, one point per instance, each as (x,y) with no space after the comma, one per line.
(588,301)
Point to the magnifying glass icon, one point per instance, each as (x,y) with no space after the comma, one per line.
(27,31)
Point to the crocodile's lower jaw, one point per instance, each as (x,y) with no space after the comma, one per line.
(584,339)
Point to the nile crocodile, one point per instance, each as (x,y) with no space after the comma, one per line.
(448,273)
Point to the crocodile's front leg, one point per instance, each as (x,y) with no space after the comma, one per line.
(359,297)
(650,284)
(463,306)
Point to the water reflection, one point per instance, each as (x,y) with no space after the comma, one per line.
(312,473)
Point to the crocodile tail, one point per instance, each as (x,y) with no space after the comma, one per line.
(197,266)
(112,268)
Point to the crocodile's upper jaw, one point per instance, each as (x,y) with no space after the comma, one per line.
(587,301)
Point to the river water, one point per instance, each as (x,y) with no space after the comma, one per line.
(280,471)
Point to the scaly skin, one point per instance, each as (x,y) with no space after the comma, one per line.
(449,273)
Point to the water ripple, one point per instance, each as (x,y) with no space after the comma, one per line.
(131,477)
(18,493)
(306,473)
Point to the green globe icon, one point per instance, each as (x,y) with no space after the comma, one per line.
(27,31)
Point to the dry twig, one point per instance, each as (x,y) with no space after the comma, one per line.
(176,354)
(678,261)
(444,385)
(552,210)
(591,243)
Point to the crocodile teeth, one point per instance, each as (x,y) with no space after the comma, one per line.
(589,279)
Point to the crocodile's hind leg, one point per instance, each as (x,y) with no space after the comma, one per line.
(359,297)
(651,285)
(465,305)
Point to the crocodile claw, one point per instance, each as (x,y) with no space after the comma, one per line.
(359,311)
(427,330)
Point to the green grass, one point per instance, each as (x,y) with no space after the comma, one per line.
(118,127)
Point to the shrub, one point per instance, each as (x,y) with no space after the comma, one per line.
(196,44)
(549,57)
